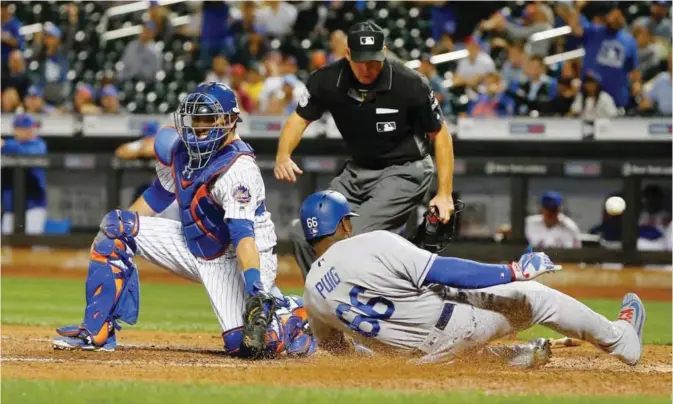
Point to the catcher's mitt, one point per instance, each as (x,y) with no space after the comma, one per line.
(433,235)
(257,317)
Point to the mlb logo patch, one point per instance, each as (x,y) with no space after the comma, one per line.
(367,40)
(385,126)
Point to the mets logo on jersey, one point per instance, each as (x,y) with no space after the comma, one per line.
(241,194)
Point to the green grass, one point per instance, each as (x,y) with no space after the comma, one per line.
(185,307)
(28,391)
(56,302)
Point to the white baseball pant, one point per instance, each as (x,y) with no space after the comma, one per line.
(491,313)
(161,241)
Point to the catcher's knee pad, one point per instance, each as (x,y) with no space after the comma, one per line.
(112,287)
(121,224)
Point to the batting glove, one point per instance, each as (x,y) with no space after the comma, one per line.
(531,265)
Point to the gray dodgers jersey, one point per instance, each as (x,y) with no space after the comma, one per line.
(369,286)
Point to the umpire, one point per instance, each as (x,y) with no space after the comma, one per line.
(389,118)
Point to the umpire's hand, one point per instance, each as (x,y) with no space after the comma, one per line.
(444,205)
(286,169)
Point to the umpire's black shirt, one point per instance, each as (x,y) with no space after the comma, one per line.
(383,123)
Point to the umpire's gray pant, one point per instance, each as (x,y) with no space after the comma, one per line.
(384,199)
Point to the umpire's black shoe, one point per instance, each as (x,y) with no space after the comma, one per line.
(257,317)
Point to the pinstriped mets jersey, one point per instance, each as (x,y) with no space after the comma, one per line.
(240,191)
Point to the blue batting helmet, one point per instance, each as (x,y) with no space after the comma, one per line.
(321,213)
(204,120)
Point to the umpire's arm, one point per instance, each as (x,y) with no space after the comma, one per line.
(431,121)
(309,109)
(444,161)
(285,169)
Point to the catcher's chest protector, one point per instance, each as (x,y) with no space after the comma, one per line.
(202,218)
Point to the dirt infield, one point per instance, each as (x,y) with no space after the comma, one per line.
(184,357)
(170,356)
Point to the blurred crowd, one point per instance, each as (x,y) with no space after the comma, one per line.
(494,60)
(608,65)
(555,58)
(237,44)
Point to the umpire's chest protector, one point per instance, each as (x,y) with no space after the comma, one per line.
(202,217)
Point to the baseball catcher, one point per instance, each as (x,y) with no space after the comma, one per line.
(225,238)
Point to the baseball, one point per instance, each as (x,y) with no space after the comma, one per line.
(615,205)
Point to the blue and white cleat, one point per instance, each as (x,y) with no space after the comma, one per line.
(74,338)
(72,344)
(633,313)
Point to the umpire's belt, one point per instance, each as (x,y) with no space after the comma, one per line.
(437,333)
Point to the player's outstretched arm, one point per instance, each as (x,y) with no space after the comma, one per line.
(423,268)
(466,274)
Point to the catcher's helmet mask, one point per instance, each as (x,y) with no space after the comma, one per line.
(205,120)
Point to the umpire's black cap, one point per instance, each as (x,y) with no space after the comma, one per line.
(365,41)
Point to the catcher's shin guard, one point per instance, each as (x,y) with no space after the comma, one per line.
(112,287)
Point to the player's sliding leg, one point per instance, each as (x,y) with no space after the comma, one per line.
(111,286)
(504,309)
